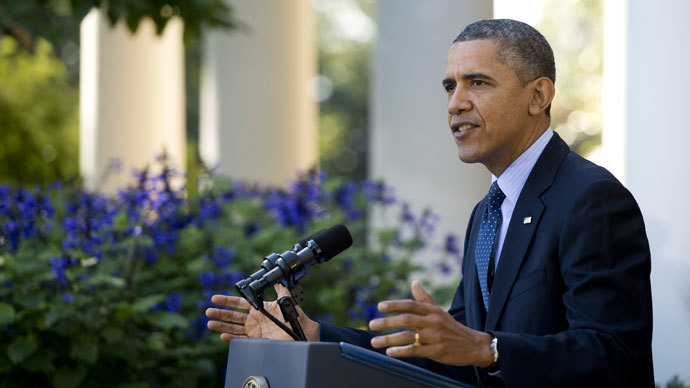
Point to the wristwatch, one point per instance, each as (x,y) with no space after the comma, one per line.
(494,350)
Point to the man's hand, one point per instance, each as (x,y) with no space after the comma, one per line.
(253,324)
(441,337)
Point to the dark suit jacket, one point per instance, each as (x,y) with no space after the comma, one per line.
(571,301)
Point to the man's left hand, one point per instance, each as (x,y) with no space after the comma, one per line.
(441,337)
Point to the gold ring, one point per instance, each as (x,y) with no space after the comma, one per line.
(416,339)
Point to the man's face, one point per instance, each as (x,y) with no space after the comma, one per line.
(487,106)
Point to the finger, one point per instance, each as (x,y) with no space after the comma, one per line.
(424,351)
(401,321)
(227,328)
(397,339)
(230,301)
(228,337)
(420,295)
(281,290)
(406,306)
(226,315)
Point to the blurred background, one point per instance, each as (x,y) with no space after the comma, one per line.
(260,91)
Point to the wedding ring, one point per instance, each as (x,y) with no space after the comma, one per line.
(416,339)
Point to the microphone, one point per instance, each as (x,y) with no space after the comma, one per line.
(290,266)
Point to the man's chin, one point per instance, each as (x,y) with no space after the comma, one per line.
(467,158)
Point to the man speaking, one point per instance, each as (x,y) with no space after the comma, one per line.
(555,289)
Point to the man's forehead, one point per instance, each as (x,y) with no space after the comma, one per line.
(471,56)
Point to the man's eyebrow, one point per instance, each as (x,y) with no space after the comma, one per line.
(470,76)
(447,81)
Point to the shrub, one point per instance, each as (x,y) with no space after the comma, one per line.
(111,290)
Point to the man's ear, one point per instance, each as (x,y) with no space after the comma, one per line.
(542,90)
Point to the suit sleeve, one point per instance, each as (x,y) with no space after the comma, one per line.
(604,261)
(362,338)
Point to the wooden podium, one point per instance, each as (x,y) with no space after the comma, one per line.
(262,363)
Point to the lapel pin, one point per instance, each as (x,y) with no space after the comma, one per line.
(527,220)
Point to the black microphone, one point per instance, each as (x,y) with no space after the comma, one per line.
(290,266)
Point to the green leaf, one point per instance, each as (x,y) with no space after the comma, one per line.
(196,266)
(5,364)
(145,303)
(120,222)
(40,361)
(85,348)
(6,314)
(112,334)
(21,348)
(55,314)
(166,320)
(66,377)
(157,341)
(31,300)
(107,280)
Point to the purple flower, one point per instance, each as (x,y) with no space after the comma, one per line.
(115,165)
(58,266)
(407,216)
(371,311)
(452,245)
(173,303)
(207,279)
(445,269)
(223,257)
(69,298)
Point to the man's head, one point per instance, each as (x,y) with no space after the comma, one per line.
(500,82)
(520,47)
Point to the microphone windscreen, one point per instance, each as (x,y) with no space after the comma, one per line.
(333,240)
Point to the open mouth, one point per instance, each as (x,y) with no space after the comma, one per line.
(461,129)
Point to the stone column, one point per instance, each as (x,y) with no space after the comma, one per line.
(257,120)
(657,161)
(411,146)
(132,104)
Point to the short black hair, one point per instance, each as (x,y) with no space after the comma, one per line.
(520,47)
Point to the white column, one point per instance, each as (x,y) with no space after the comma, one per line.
(257,120)
(132,104)
(411,146)
(657,167)
(614,94)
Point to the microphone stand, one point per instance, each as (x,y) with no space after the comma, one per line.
(287,307)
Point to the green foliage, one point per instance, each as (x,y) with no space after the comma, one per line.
(38,116)
(675,382)
(575,31)
(58,20)
(344,64)
(112,290)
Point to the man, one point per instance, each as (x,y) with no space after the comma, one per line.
(555,289)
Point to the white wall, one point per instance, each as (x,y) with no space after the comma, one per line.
(657,163)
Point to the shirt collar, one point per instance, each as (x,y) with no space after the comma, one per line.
(514,177)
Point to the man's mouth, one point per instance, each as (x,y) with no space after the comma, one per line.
(461,129)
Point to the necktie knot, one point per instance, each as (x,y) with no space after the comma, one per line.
(495,197)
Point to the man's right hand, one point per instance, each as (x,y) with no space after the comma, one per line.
(234,323)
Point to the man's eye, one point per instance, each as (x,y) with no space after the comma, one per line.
(477,82)
(449,88)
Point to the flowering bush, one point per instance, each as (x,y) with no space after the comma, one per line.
(112,290)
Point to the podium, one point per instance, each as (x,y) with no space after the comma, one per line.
(263,363)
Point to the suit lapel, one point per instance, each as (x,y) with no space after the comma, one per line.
(519,233)
(515,246)
(474,304)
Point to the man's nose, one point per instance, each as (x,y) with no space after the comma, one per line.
(458,102)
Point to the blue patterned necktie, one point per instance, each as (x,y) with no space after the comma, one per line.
(486,238)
